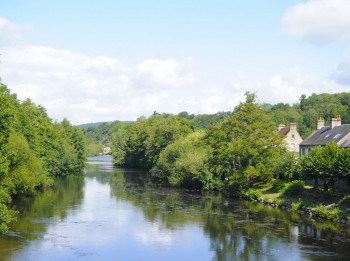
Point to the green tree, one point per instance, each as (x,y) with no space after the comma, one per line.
(243,143)
(185,163)
(322,163)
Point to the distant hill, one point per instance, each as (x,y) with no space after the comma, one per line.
(92,124)
(95,124)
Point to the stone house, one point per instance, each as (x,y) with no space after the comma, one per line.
(336,132)
(292,137)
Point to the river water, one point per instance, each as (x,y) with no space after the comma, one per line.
(118,214)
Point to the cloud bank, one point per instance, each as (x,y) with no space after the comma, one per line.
(319,21)
(86,88)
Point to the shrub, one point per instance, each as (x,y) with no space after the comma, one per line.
(298,205)
(282,203)
(332,213)
(294,188)
(277,185)
(254,194)
(235,187)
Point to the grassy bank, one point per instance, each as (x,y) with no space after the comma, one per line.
(294,196)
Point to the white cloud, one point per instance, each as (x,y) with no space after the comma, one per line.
(12,30)
(319,21)
(166,72)
(87,89)
(342,72)
(285,87)
(290,86)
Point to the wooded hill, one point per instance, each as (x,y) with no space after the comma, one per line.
(305,113)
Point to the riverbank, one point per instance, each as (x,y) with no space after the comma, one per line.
(316,203)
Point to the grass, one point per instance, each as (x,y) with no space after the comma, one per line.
(308,197)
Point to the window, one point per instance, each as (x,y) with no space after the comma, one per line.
(338,135)
(293,145)
(327,135)
(293,136)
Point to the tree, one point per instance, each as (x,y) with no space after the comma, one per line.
(323,163)
(243,143)
(185,163)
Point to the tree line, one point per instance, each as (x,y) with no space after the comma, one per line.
(33,150)
(304,113)
(309,109)
(232,155)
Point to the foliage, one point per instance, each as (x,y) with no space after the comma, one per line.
(254,194)
(99,135)
(282,163)
(236,186)
(311,108)
(298,205)
(277,185)
(333,212)
(341,165)
(94,149)
(140,144)
(206,121)
(294,188)
(185,163)
(6,216)
(326,164)
(243,143)
(282,203)
(32,150)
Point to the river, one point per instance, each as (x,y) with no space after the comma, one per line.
(118,214)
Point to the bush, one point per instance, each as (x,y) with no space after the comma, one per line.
(322,211)
(254,194)
(294,188)
(277,185)
(298,205)
(236,187)
(282,203)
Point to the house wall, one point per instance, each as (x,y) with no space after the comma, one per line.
(292,140)
(304,150)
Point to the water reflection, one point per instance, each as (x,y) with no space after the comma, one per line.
(39,212)
(120,214)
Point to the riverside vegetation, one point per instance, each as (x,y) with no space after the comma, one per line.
(241,155)
(238,153)
(33,151)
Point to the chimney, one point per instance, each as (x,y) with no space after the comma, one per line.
(320,123)
(334,122)
(339,120)
(281,126)
(292,127)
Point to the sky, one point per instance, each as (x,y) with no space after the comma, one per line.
(92,61)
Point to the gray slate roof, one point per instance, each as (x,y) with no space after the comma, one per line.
(326,135)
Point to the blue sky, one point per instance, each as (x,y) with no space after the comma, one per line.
(107,60)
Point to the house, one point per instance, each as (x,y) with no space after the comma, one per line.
(336,132)
(106,151)
(292,137)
